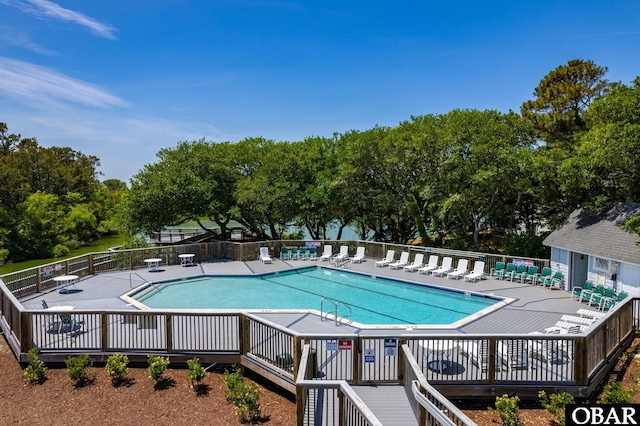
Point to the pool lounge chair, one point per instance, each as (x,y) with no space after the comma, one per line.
(610,303)
(444,268)
(387,260)
(531,275)
(597,298)
(515,353)
(478,353)
(404,260)
(343,255)
(312,253)
(565,327)
(327,253)
(586,294)
(554,281)
(359,257)
(549,351)
(417,263)
(577,320)
(461,270)
(477,273)
(519,274)
(264,255)
(284,253)
(431,266)
(588,313)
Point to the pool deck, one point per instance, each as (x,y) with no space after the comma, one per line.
(533,308)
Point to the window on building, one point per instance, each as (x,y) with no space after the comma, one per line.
(601,264)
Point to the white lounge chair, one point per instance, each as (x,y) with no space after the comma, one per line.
(404,260)
(264,255)
(564,327)
(431,266)
(343,255)
(515,354)
(387,260)
(461,270)
(587,313)
(577,320)
(444,268)
(327,253)
(359,257)
(417,263)
(477,273)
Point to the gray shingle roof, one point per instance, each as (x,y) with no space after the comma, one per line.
(599,233)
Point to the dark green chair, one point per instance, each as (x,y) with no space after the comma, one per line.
(498,270)
(546,273)
(577,291)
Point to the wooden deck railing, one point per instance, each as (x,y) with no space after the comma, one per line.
(455,363)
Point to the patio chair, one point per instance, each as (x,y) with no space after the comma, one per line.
(284,253)
(294,253)
(565,327)
(555,281)
(498,270)
(577,320)
(387,260)
(461,270)
(515,354)
(588,313)
(509,271)
(418,259)
(312,253)
(478,353)
(477,273)
(610,303)
(577,290)
(359,257)
(546,273)
(431,266)
(598,299)
(586,294)
(327,253)
(531,275)
(404,260)
(264,255)
(44,304)
(444,268)
(302,253)
(519,273)
(546,350)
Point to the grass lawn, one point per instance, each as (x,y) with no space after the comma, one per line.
(99,245)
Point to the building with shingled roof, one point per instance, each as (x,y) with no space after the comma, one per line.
(592,245)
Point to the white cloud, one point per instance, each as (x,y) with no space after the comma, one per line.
(41,86)
(48,9)
(20,39)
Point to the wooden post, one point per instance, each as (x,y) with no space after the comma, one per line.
(297,353)
(90,264)
(580,362)
(357,365)
(26,338)
(341,419)
(169,332)
(422,412)
(104,328)
(401,361)
(301,401)
(38,280)
(131,260)
(244,334)
(491,368)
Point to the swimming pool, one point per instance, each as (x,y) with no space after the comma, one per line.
(373,300)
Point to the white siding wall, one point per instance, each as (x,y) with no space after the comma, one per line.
(629,279)
(560,261)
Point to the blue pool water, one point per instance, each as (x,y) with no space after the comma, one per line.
(372,300)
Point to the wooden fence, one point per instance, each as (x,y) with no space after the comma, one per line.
(461,365)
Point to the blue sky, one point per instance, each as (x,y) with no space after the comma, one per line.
(123,79)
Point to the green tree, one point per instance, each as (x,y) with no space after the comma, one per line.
(561,97)
(606,165)
(41,224)
(483,167)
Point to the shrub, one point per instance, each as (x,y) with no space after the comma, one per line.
(157,365)
(507,408)
(245,397)
(117,368)
(35,371)
(60,251)
(196,372)
(613,393)
(556,403)
(78,365)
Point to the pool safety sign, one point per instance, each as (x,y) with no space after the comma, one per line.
(340,345)
(369,355)
(390,346)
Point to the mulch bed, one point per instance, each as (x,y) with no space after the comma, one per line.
(139,402)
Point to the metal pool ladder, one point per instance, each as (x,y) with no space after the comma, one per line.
(336,304)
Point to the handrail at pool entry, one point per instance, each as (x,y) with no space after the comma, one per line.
(336,304)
